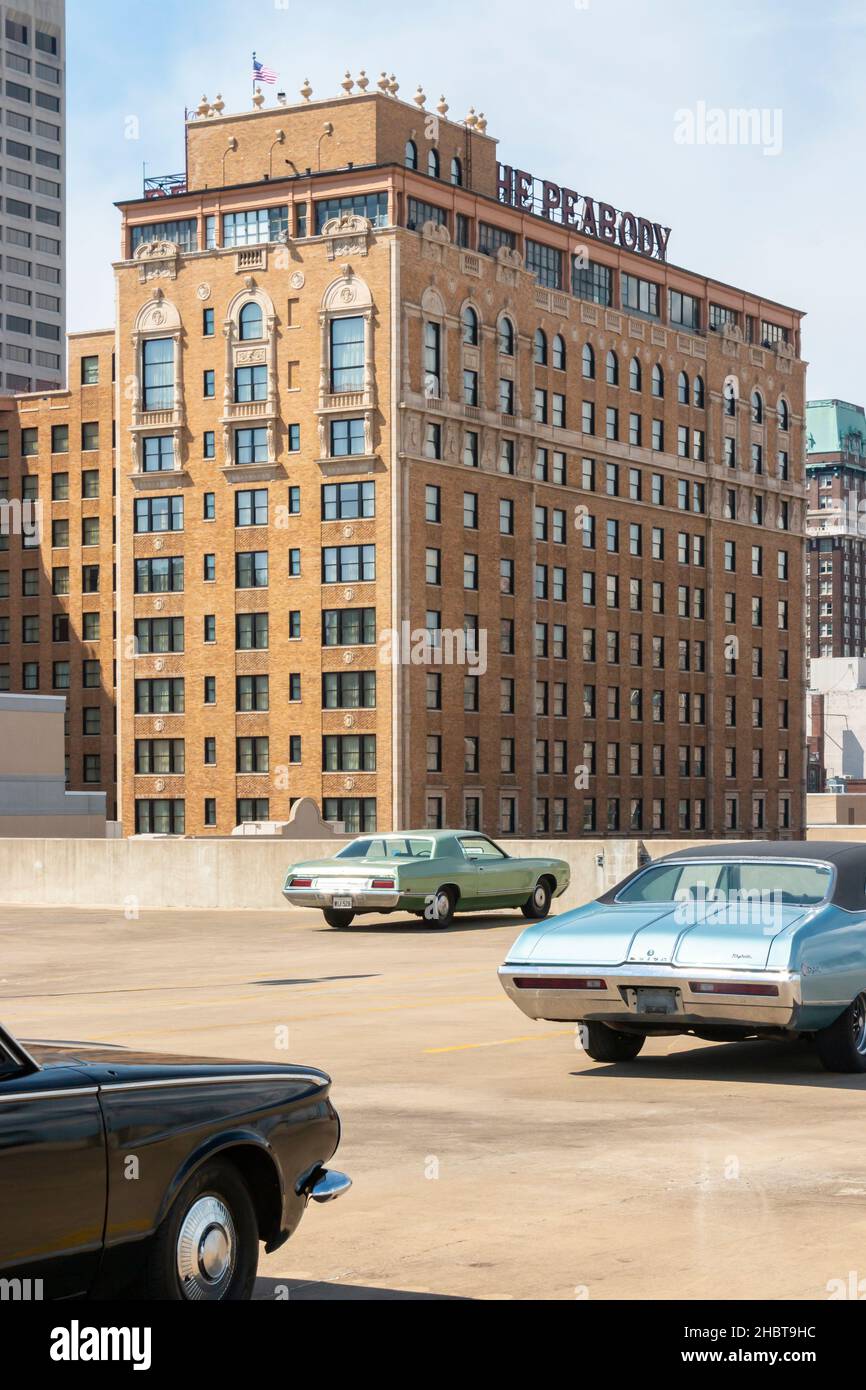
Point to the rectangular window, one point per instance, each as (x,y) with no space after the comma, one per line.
(545,263)
(347,437)
(255,226)
(347,354)
(158,374)
(347,501)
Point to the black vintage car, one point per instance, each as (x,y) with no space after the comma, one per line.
(137,1176)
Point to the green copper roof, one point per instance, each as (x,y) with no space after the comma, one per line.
(829,425)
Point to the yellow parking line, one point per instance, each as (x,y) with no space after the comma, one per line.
(503,1042)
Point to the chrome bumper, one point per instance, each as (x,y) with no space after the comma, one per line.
(616,1002)
(371,899)
(329,1185)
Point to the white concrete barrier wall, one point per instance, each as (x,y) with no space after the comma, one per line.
(241,873)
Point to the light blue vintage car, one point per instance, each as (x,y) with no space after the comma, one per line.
(724,941)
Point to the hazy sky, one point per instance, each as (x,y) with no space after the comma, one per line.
(584,92)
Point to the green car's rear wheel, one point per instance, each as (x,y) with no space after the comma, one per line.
(439,911)
(337,918)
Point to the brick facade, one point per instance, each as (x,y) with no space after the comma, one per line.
(607,729)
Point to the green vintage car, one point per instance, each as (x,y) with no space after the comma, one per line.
(431,873)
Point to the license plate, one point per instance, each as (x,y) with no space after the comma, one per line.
(656,1001)
(341,902)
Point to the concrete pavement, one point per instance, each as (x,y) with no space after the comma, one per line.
(491,1158)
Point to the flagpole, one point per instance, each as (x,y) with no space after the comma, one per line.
(254,73)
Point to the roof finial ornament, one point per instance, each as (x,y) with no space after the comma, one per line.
(363,80)
(382,84)
(442,107)
(347,83)
(306,90)
(393,85)
(258,99)
(482,123)
(219,105)
(471,119)
(203,106)
(419,97)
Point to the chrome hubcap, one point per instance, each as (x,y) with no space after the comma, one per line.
(206,1249)
(443,905)
(858,1022)
(540,895)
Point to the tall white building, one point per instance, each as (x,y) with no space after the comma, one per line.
(32,196)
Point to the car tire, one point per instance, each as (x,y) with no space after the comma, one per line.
(207,1247)
(605,1044)
(538,904)
(338,918)
(842,1046)
(444,901)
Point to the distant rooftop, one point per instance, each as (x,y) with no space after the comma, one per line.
(835,427)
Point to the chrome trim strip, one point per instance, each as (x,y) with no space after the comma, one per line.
(210,1080)
(49,1095)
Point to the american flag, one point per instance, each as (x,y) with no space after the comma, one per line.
(261,73)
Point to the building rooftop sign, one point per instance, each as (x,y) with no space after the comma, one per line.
(582,213)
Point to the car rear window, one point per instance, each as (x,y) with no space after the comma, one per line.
(781,880)
(388,847)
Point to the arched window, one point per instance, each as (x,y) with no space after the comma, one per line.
(634,374)
(588,361)
(698,393)
(456,172)
(611,368)
(433,162)
(539,348)
(506,337)
(559,353)
(683,388)
(757,408)
(784,415)
(470,326)
(411,158)
(250,323)
(658,381)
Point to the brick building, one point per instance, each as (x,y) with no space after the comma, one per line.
(442,496)
(836,529)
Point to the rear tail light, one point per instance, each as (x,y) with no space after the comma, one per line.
(382,883)
(301,883)
(731,987)
(556,982)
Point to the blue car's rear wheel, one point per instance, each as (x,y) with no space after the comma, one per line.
(605,1044)
(842,1046)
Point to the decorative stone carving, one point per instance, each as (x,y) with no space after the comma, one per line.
(203,292)
(159,725)
(157,260)
(348,657)
(348,532)
(248,357)
(347,235)
(348,595)
(346,292)
(348,721)
(297,280)
(158,604)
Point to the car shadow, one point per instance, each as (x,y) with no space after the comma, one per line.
(316,979)
(316,1290)
(411,926)
(779,1063)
